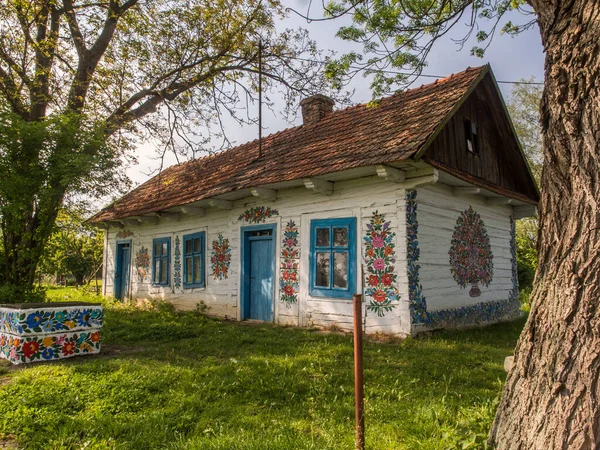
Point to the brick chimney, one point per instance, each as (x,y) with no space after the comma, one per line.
(315,107)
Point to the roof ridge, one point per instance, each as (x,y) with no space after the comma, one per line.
(327,117)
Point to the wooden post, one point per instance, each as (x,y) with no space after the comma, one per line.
(359,395)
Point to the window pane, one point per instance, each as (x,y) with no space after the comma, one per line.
(163,271)
(188,247)
(188,270)
(164,248)
(156,270)
(196,245)
(322,237)
(156,249)
(340,270)
(197,269)
(322,275)
(340,237)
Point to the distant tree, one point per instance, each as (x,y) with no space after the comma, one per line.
(83,81)
(74,249)
(524,109)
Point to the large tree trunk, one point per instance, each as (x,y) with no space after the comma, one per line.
(552,394)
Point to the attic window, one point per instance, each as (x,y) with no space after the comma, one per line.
(471,137)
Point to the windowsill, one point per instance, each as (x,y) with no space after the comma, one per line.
(330,294)
(313,298)
(193,286)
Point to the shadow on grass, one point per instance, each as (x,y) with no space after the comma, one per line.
(182,380)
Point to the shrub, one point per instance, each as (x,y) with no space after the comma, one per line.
(10,293)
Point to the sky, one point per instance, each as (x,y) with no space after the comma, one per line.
(511,59)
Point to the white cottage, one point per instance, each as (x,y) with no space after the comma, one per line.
(412,202)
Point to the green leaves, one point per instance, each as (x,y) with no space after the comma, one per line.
(396,36)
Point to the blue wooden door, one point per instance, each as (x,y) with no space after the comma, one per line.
(261,279)
(122,270)
(258,272)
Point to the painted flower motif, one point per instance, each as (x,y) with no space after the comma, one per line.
(68,348)
(288,290)
(95,337)
(48,353)
(387,279)
(30,348)
(258,214)
(379,251)
(220,258)
(59,316)
(379,296)
(378,242)
(290,253)
(70,324)
(83,318)
(47,341)
(34,320)
(60,339)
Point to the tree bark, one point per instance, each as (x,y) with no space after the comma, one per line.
(551,397)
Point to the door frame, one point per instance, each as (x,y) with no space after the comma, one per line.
(118,267)
(245,262)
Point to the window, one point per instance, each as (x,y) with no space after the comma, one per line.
(333,257)
(471,136)
(161,248)
(193,260)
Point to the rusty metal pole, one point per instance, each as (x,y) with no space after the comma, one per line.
(359,394)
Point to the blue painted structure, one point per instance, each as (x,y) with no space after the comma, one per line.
(122,269)
(196,257)
(162,256)
(349,249)
(258,272)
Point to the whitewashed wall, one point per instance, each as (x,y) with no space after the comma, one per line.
(356,198)
(437,212)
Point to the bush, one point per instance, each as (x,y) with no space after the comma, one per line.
(10,293)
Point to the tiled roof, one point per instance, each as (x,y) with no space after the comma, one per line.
(357,136)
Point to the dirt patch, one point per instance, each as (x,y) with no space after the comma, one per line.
(8,443)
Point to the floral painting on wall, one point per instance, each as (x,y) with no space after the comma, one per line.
(142,263)
(258,214)
(123,234)
(290,262)
(514,293)
(220,258)
(177,264)
(380,259)
(471,258)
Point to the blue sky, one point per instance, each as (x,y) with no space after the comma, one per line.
(511,59)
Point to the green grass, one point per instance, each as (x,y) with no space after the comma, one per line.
(168,380)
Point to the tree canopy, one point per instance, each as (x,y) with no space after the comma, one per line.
(82,82)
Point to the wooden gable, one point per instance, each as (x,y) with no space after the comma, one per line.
(499,163)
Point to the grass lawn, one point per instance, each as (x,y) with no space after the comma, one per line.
(168,380)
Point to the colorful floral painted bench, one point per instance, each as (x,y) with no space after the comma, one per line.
(32,332)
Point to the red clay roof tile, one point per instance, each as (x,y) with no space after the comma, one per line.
(354,137)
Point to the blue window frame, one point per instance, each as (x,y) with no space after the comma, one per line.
(161,261)
(193,260)
(333,257)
